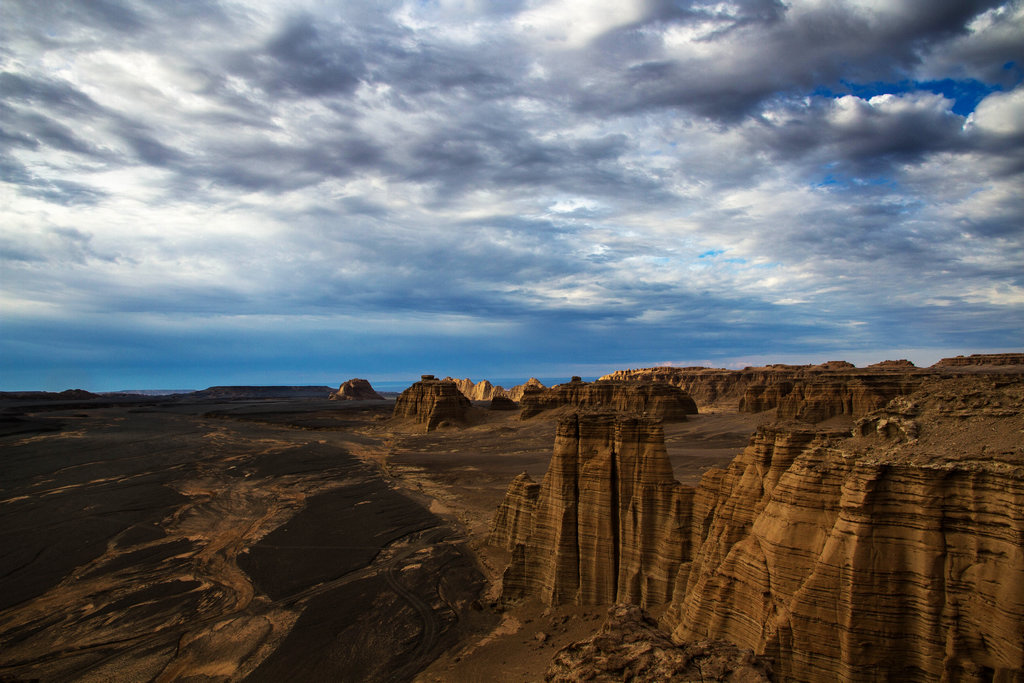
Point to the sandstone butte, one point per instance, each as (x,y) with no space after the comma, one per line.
(432,403)
(485,391)
(895,552)
(356,390)
(814,393)
(653,399)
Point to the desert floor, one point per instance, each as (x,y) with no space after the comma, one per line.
(275,540)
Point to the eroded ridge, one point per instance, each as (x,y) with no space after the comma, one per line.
(896,550)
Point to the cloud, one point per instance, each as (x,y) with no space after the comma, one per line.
(610,182)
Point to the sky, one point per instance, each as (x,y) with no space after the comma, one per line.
(197,193)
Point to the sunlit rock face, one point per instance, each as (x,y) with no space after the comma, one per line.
(809,393)
(892,553)
(898,550)
(513,521)
(477,391)
(815,393)
(605,525)
(647,399)
(432,403)
(356,390)
(982,359)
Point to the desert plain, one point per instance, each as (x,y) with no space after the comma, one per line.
(231,537)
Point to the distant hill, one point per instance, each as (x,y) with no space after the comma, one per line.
(264,392)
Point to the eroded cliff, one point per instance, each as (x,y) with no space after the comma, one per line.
(605,524)
(432,403)
(893,553)
(899,550)
(650,399)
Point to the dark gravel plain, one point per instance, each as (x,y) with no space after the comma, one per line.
(173,538)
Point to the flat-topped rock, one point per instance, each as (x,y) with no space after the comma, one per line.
(432,403)
(646,399)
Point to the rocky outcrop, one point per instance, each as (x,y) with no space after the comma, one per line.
(657,400)
(815,396)
(902,364)
(432,403)
(477,391)
(810,393)
(897,553)
(893,553)
(982,359)
(503,403)
(607,521)
(513,521)
(516,392)
(630,647)
(356,390)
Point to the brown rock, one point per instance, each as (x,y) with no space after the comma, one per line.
(605,526)
(893,553)
(896,553)
(982,359)
(650,399)
(356,390)
(516,392)
(503,403)
(629,647)
(432,402)
(514,519)
(477,391)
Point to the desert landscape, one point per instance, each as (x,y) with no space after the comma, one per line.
(788,523)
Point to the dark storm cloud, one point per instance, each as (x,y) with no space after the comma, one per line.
(305,60)
(760,49)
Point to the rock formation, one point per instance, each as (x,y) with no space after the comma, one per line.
(982,359)
(900,549)
(813,393)
(894,553)
(516,392)
(605,524)
(356,390)
(815,396)
(477,391)
(513,521)
(630,647)
(653,399)
(432,403)
(810,393)
(503,403)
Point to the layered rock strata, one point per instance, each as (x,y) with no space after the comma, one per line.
(432,403)
(477,391)
(810,393)
(356,390)
(516,393)
(976,359)
(814,393)
(650,399)
(513,522)
(894,553)
(606,522)
(630,647)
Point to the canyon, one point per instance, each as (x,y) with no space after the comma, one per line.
(787,523)
(891,547)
